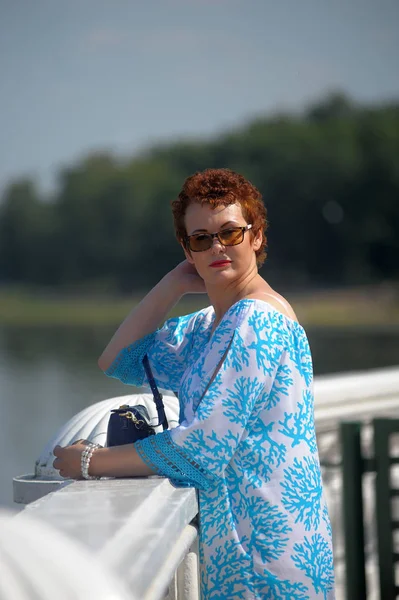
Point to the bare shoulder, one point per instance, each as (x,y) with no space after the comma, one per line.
(277,301)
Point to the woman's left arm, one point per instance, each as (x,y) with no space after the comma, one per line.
(118,461)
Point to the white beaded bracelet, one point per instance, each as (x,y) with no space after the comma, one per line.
(85,459)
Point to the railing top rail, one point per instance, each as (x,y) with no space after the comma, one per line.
(356,385)
(133,525)
(37,562)
(358,395)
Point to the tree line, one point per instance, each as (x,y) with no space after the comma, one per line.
(329,178)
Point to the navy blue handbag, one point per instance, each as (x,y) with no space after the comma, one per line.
(128,424)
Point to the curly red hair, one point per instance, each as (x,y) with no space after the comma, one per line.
(222,187)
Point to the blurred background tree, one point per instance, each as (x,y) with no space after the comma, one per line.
(329,178)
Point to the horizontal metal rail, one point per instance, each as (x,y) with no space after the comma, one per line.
(359,396)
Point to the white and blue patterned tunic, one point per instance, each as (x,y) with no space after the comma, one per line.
(246,441)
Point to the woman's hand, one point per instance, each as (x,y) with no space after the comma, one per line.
(68,459)
(152,311)
(186,277)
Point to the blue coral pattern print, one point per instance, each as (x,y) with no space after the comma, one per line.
(246,441)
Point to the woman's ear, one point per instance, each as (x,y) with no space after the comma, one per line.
(257,241)
(187,254)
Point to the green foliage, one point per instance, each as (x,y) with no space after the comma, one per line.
(329,178)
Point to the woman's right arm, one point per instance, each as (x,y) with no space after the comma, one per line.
(152,310)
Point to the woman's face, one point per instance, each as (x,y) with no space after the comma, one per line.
(221,263)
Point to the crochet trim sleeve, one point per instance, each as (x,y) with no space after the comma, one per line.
(127,366)
(165,457)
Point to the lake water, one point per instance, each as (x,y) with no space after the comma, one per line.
(49,374)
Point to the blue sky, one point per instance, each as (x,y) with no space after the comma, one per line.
(83,75)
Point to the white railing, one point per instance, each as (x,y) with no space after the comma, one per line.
(141,530)
(355,396)
(39,562)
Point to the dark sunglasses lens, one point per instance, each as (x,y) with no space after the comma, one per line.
(198,243)
(228,237)
(231,237)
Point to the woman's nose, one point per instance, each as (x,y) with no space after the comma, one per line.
(216,245)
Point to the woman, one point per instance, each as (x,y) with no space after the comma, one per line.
(243,372)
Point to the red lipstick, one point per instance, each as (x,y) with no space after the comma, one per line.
(220,263)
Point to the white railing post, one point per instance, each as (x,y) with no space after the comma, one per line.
(185,583)
(188,575)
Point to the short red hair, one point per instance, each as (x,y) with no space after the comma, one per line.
(222,187)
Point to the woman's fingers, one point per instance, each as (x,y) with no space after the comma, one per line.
(68,460)
(57,450)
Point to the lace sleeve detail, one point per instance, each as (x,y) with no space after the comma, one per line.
(127,366)
(168,348)
(165,457)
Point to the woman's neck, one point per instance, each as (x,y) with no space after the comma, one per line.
(223,298)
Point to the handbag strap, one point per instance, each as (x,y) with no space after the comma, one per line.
(156,393)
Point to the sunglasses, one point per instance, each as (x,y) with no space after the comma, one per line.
(198,242)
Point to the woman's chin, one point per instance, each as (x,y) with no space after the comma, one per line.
(218,277)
